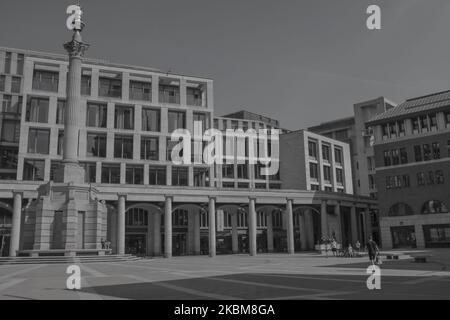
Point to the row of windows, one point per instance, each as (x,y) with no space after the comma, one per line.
(8,63)
(397,182)
(314,173)
(427,152)
(37,111)
(45,80)
(326,153)
(245,125)
(395,157)
(429,207)
(16,84)
(423,179)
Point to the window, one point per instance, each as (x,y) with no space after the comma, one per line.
(339,176)
(315,187)
(37,110)
(169,93)
(385,130)
(60,148)
(426,152)
(430,178)
(109,87)
(10,131)
(313,171)
(8,62)
(243,185)
(150,120)
(393,129)
(433,121)
(261,219)
(203,118)
(234,124)
(2,82)
(415,124)
(395,157)
(136,217)
(424,123)
(216,124)
(12,108)
(439,177)
(110,173)
(403,156)
(38,140)
(33,170)
(201,177)
(123,147)
(45,80)
(228,185)
(90,171)
(327,173)
(421,179)
(180,218)
(96,115)
(54,165)
(177,120)
(418,153)
(86,83)
(434,206)
(96,145)
(194,97)
(20,63)
(400,209)
(150,148)
(338,155)
(387,158)
(140,90)
(8,158)
(447,118)
(60,108)
(169,147)
(242,171)
(157,176)
(228,171)
(436,150)
(401,128)
(134,174)
(326,153)
(312,149)
(371,181)
(124,117)
(15,84)
(179,176)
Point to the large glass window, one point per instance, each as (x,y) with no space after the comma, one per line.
(90,171)
(109,87)
(10,131)
(327,173)
(200,177)
(169,93)
(33,170)
(177,120)
(20,63)
(45,80)
(242,171)
(134,174)
(124,117)
(37,110)
(179,176)
(434,206)
(227,171)
(150,120)
(8,157)
(326,153)
(123,147)
(338,155)
(436,150)
(16,84)
(96,115)
(96,145)
(110,173)
(150,148)
(157,176)
(140,90)
(313,171)
(38,140)
(312,149)
(339,176)
(8,62)
(194,96)
(136,217)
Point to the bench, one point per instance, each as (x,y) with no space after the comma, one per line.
(392,256)
(421,258)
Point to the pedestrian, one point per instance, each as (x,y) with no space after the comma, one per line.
(102,241)
(350,251)
(334,247)
(372,249)
(357,246)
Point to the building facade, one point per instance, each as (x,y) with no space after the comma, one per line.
(412,158)
(144,203)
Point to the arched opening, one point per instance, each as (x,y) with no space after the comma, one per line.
(232,233)
(5,229)
(434,206)
(306,228)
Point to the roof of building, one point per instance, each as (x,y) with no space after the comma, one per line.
(332,125)
(415,105)
(248,115)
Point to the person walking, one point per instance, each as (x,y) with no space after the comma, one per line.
(357,246)
(372,249)
(334,247)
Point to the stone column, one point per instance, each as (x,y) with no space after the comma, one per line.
(252,227)
(337,212)
(290,227)
(354,224)
(234,233)
(324,219)
(212,226)
(121,224)
(197,233)
(168,228)
(269,232)
(157,234)
(368,223)
(16,219)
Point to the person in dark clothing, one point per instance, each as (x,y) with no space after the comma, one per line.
(372,249)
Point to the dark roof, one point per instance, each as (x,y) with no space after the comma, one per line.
(415,105)
(333,125)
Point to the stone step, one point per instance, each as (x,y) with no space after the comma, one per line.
(66,260)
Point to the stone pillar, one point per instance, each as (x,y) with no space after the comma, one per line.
(212,226)
(121,224)
(16,219)
(234,233)
(269,232)
(168,227)
(197,233)
(157,234)
(252,227)
(324,219)
(354,224)
(337,212)
(368,223)
(290,227)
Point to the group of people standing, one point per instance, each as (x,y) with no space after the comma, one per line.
(371,246)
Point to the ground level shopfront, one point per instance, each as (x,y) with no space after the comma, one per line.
(171,221)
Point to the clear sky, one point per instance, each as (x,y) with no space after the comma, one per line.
(300,61)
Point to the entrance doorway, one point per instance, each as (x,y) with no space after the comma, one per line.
(135,244)
(4,243)
(403,237)
(179,244)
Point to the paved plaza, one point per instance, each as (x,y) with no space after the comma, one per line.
(299,276)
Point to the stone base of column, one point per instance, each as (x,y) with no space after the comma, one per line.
(70,172)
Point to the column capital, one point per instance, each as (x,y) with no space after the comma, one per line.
(168,196)
(289,199)
(252,198)
(121,195)
(17,192)
(212,198)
